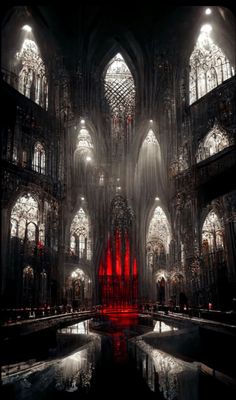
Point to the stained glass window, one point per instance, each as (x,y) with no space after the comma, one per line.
(39,158)
(209,66)
(80,243)
(32,78)
(214,142)
(24,217)
(212,233)
(120,95)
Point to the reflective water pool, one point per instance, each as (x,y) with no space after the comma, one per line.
(106,356)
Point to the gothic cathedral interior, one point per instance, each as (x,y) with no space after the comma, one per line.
(118,160)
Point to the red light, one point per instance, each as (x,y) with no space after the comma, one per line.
(118,286)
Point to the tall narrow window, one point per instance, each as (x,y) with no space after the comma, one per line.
(39,158)
(80,243)
(215,141)
(158,240)
(120,96)
(32,74)
(209,66)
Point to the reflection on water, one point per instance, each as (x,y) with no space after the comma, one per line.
(123,358)
(119,327)
(161,327)
(65,374)
(75,372)
(80,328)
(176,379)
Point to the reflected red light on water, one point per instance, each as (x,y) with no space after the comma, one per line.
(121,322)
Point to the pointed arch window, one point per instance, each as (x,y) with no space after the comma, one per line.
(150,138)
(32,73)
(80,243)
(215,141)
(159,236)
(39,158)
(24,218)
(209,66)
(212,233)
(120,96)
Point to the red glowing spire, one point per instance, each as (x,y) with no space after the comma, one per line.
(118,254)
(101,269)
(108,259)
(127,257)
(135,272)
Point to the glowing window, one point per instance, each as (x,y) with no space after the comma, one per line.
(209,66)
(80,243)
(214,142)
(212,233)
(24,218)
(150,138)
(32,78)
(120,96)
(159,231)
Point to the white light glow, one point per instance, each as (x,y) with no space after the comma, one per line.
(157,198)
(27,28)
(206,28)
(82,198)
(151,121)
(82,121)
(208,11)
(88,158)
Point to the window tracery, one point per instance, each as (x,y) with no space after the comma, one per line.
(32,75)
(120,95)
(24,218)
(150,138)
(80,243)
(159,231)
(214,142)
(212,233)
(209,66)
